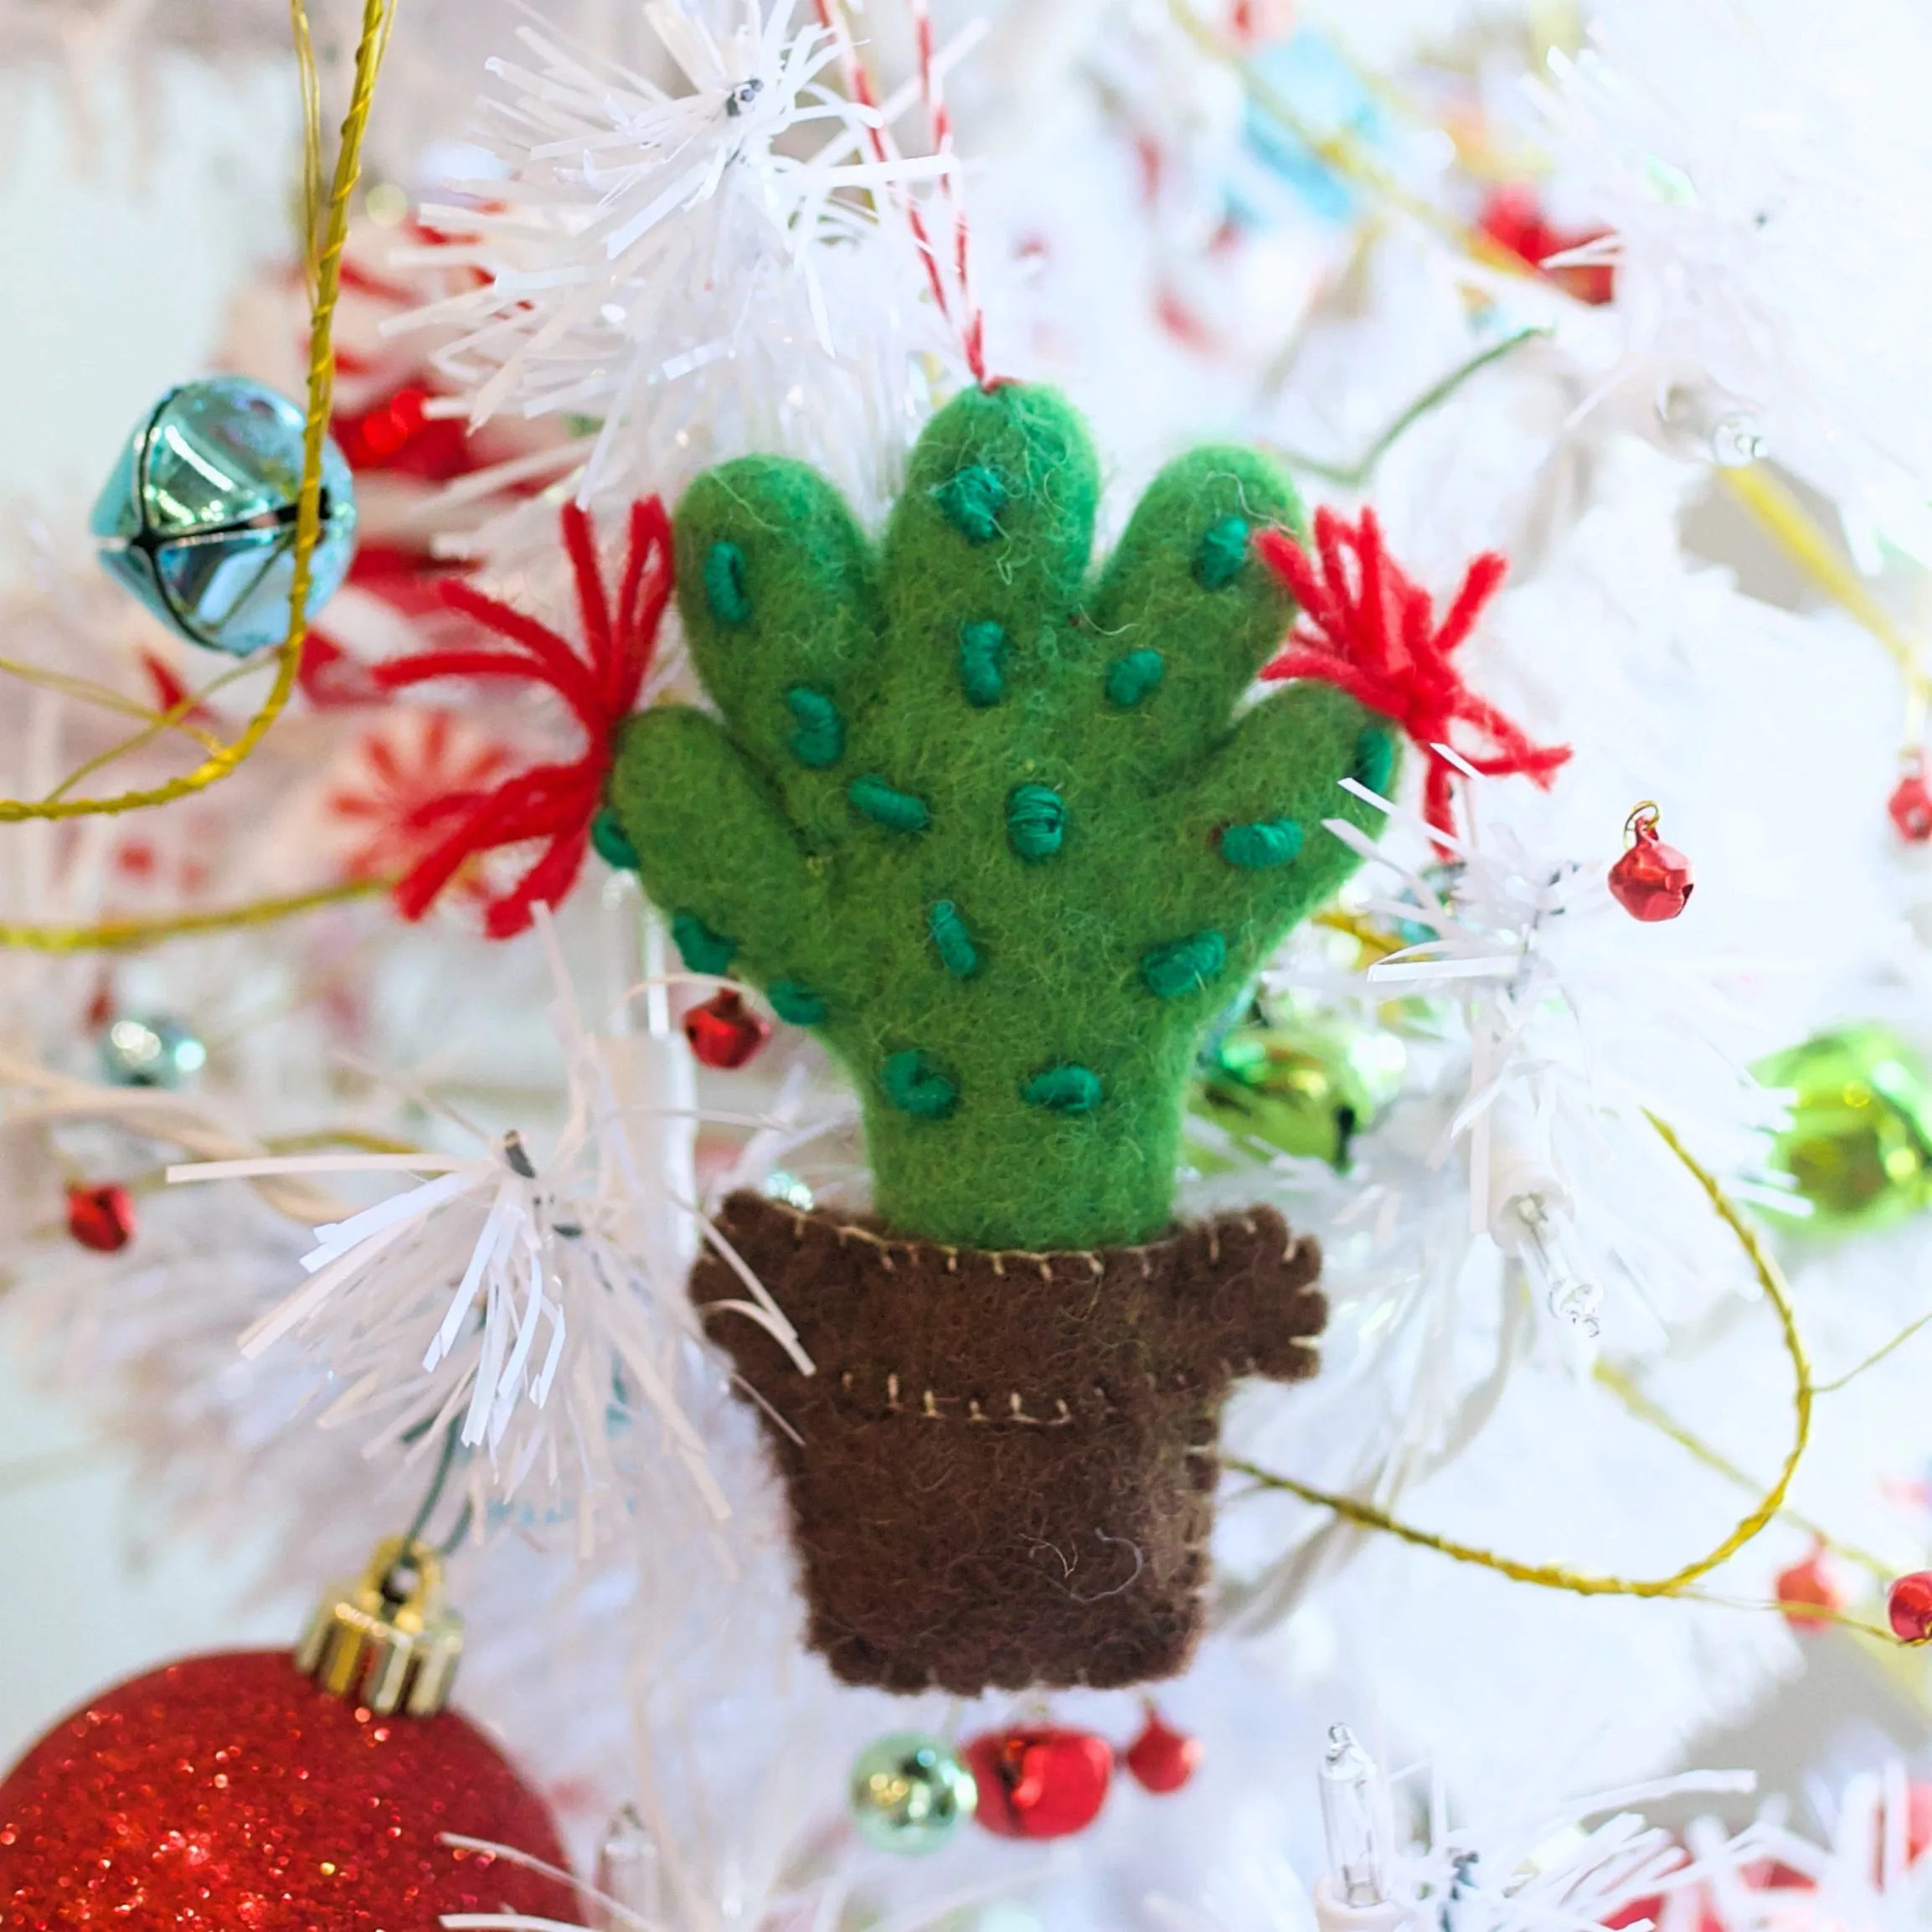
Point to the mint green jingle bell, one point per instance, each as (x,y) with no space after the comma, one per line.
(199,518)
(1859,1144)
(910,1793)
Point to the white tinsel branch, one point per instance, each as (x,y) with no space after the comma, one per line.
(658,262)
(511,1299)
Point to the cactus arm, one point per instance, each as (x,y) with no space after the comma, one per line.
(985,556)
(776,594)
(1185,613)
(719,856)
(1242,844)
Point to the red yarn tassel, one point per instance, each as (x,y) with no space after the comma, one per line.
(553,802)
(1366,628)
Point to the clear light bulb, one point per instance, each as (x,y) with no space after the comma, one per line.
(1356,1817)
(1567,1294)
(630,1872)
(1716,426)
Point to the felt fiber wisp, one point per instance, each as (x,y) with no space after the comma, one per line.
(986,811)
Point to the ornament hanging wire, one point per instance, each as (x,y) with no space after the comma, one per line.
(961,311)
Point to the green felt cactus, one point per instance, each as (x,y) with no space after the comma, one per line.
(988,823)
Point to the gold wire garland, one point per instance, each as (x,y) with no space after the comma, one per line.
(331,225)
(1645,1409)
(121,934)
(312,155)
(1584,1582)
(103,697)
(1783,516)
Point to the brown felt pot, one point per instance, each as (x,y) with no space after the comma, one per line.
(1001,1473)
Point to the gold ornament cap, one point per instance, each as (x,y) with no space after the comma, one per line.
(385,1639)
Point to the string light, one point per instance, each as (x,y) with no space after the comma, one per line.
(1354,1895)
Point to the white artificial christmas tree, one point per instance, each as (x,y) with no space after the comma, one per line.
(1620,1411)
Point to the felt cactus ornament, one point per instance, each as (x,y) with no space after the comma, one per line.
(997,830)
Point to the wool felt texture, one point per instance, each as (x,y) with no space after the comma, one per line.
(990,813)
(1002,1472)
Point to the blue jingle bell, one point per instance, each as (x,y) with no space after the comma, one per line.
(199,518)
(149,1050)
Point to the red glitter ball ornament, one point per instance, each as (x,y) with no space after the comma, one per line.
(1652,881)
(228,1792)
(1909,1604)
(1910,804)
(1038,1782)
(724,1033)
(1805,1589)
(1162,1758)
(101,1218)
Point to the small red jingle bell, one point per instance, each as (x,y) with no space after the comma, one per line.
(1039,1782)
(1162,1758)
(1910,805)
(1652,881)
(724,1033)
(1908,1606)
(101,1218)
(1806,1595)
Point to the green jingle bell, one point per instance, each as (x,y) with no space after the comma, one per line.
(1859,1144)
(199,518)
(1296,1087)
(910,1793)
